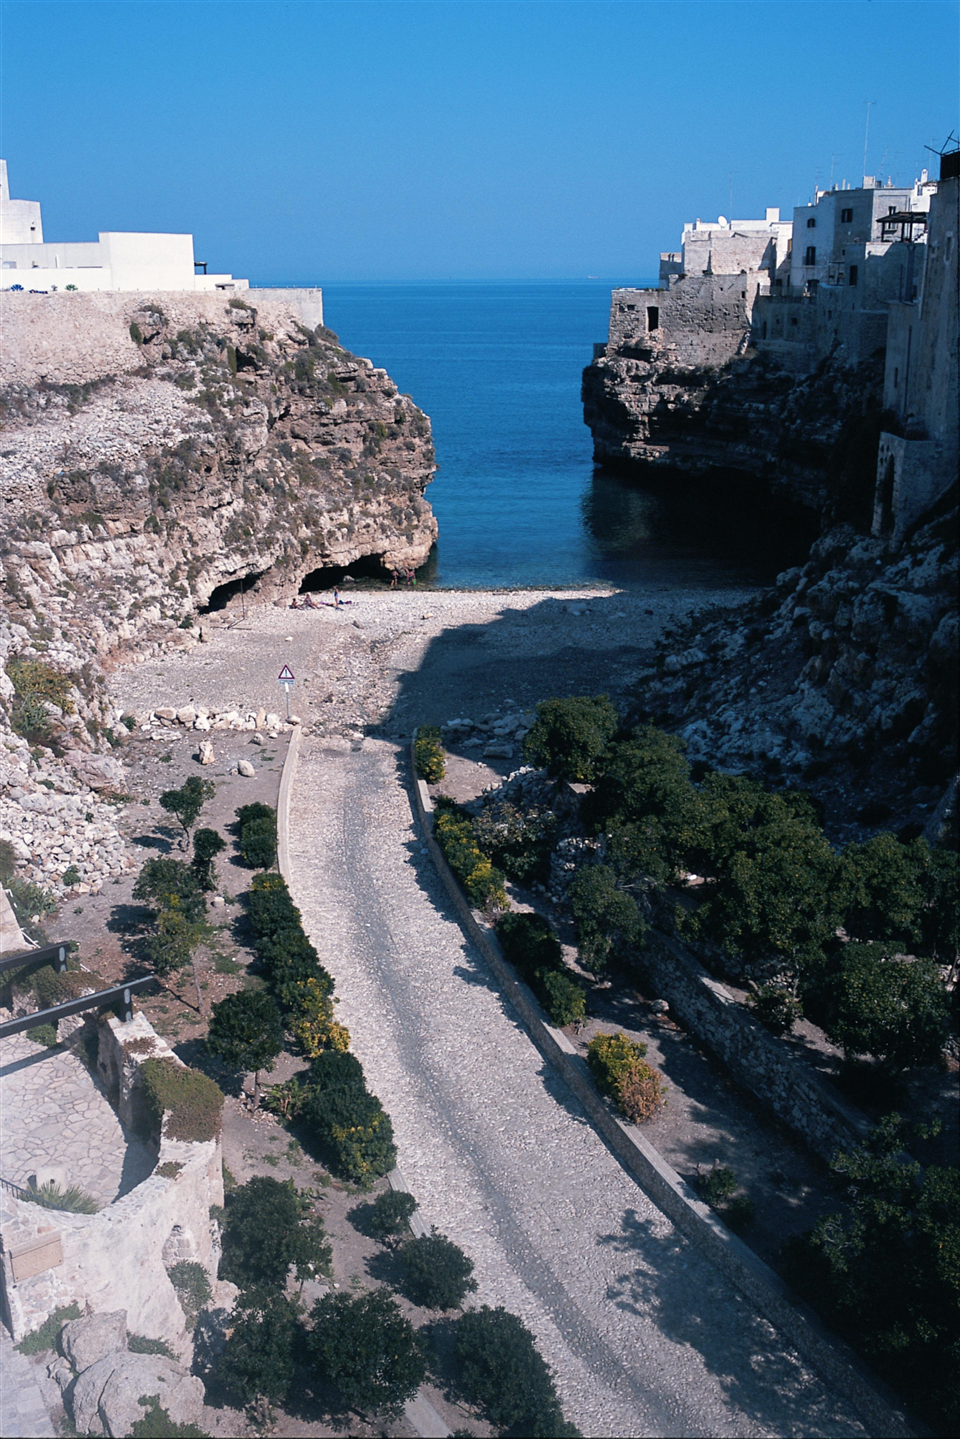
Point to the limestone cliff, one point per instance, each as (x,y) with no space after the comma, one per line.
(156,452)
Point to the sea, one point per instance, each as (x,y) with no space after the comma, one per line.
(518,500)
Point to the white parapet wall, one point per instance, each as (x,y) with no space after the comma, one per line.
(118,1258)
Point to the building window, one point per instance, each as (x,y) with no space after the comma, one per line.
(812,223)
(853,275)
(653,317)
(810,255)
(846,217)
(793,319)
(896,377)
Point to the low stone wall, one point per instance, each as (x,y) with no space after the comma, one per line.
(117,1258)
(837,1364)
(763,1064)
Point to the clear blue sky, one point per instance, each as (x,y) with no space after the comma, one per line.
(400,140)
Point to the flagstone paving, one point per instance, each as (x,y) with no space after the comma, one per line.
(54,1117)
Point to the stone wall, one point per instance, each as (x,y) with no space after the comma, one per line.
(701,320)
(118,1258)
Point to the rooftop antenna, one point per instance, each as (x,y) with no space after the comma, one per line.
(866,135)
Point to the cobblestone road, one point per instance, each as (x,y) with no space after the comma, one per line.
(645,1336)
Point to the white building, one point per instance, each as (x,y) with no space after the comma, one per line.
(116,260)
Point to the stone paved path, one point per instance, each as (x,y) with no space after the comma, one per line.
(645,1336)
(23,1414)
(53,1117)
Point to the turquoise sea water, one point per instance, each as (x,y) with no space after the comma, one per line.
(497,368)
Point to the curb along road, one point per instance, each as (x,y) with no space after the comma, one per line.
(644,1333)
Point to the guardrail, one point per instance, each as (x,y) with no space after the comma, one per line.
(56,952)
(122,992)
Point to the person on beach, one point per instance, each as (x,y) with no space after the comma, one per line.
(336,598)
(394,577)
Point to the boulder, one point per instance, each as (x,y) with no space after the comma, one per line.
(187,715)
(245,768)
(106,1397)
(84,1341)
(205,753)
(498,751)
(98,771)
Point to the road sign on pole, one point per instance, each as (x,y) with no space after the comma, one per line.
(286,678)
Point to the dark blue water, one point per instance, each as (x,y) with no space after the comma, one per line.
(497,368)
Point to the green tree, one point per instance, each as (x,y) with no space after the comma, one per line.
(165,883)
(880,890)
(437,1273)
(569,736)
(258,835)
(528,942)
(894,1009)
(606,919)
(365,1347)
(941,918)
(562,996)
(770,907)
(268,1227)
(500,1369)
(174,940)
(645,800)
(246,1033)
(207,844)
(887,1269)
(257,1361)
(390,1215)
(187,802)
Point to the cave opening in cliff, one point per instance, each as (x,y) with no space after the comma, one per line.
(368,567)
(238,590)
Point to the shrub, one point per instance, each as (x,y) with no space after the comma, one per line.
(437,1273)
(879,889)
(311,1019)
(428,754)
(190,1101)
(365,1347)
(562,996)
(245,1031)
(775,1007)
(353,1125)
(44,1338)
(258,1359)
(894,1009)
(173,941)
(390,1214)
(44,1034)
(267,1228)
(140,1344)
(607,920)
(207,844)
(155,1422)
(617,1062)
(500,1369)
(167,882)
(645,799)
(717,1186)
(528,942)
(193,1288)
(569,736)
(186,802)
(482,883)
(517,840)
(258,835)
(73,1199)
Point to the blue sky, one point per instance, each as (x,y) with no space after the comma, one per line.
(406,141)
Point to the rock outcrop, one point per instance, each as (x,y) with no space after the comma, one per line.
(160,456)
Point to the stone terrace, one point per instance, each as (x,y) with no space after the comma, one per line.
(57,1123)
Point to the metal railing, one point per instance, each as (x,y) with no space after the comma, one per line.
(102,998)
(57,952)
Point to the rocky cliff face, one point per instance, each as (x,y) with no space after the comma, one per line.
(156,453)
(810,441)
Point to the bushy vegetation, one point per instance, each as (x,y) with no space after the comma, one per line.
(38,1341)
(518,841)
(258,1361)
(893,1008)
(186,802)
(569,736)
(191,1102)
(530,944)
(207,844)
(500,1369)
(178,908)
(390,1215)
(246,1033)
(437,1273)
(428,754)
(38,684)
(620,1069)
(607,920)
(268,1226)
(482,883)
(257,835)
(69,1197)
(363,1345)
(886,1269)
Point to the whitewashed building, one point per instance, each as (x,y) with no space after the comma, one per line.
(116,260)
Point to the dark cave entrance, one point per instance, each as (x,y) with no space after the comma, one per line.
(220,598)
(368,567)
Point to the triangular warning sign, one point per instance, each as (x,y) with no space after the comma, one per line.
(285,676)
